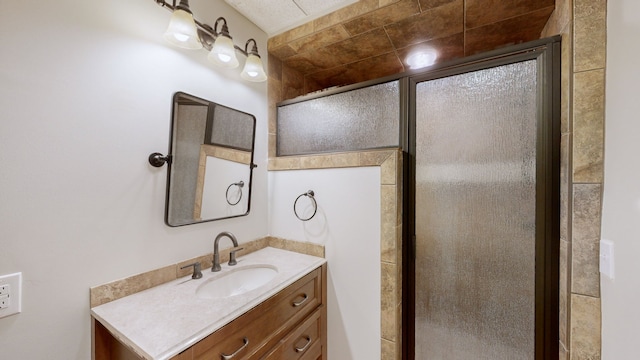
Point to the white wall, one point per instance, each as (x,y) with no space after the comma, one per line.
(621,202)
(85,97)
(348,224)
(219,177)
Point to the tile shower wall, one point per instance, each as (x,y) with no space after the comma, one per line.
(582,24)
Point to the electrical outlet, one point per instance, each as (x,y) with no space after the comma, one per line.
(4,289)
(11,297)
(5,301)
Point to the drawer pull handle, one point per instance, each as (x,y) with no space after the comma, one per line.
(228,357)
(302,349)
(304,300)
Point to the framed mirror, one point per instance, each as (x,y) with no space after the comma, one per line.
(210,162)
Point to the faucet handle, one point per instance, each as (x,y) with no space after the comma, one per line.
(232,256)
(197,273)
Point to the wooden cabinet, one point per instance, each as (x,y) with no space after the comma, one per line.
(289,325)
(304,342)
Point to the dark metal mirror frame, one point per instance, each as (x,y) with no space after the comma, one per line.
(169,157)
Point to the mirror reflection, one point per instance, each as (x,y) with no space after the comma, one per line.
(211,162)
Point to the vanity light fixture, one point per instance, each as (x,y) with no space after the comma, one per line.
(223,52)
(186,32)
(182,31)
(253,69)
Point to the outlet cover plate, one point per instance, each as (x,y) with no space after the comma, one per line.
(607,265)
(14,293)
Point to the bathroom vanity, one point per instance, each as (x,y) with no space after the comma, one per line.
(278,311)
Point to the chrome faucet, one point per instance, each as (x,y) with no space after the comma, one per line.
(216,253)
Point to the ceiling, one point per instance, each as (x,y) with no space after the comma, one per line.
(276,16)
(374,38)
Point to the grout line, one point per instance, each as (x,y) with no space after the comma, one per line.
(464,28)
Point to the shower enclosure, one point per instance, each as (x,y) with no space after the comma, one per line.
(484,207)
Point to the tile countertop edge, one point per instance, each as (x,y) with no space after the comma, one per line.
(309,264)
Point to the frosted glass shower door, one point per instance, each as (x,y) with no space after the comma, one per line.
(475,214)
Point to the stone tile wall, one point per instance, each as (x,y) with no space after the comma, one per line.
(374,38)
(582,24)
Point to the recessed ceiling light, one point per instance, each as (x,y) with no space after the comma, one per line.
(421,58)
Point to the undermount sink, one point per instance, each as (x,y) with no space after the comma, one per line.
(237,281)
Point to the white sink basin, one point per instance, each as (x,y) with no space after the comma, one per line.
(237,281)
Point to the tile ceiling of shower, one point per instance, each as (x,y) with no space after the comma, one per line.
(372,38)
(276,16)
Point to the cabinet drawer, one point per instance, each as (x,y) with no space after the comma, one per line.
(304,342)
(253,333)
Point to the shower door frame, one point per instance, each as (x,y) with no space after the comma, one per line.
(546,52)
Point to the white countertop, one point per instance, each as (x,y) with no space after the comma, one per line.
(161,322)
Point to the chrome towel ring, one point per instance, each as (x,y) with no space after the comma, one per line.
(311,195)
(240,185)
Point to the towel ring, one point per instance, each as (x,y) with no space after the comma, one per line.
(239,184)
(311,195)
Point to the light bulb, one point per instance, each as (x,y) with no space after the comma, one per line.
(223,53)
(253,70)
(182,31)
(422,58)
(181,37)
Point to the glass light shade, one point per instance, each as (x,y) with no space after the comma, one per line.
(182,31)
(253,70)
(223,54)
